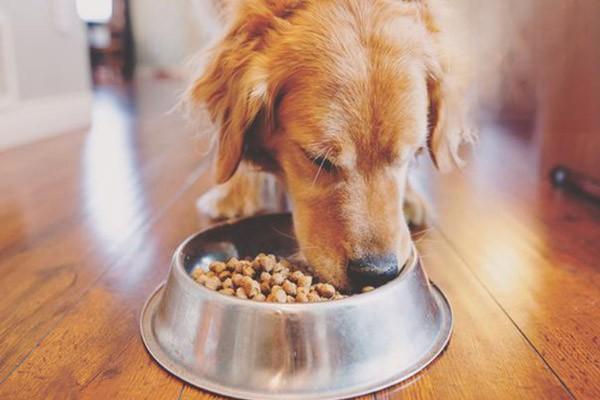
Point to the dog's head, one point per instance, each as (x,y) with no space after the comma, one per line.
(336,97)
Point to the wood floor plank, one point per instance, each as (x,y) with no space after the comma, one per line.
(105,323)
(40,284)
(533,249)
(30,210)
(42,281)
(59,194)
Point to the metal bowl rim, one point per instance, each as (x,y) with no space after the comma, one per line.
(178,268)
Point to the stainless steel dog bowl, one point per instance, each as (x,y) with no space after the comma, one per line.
(253,350)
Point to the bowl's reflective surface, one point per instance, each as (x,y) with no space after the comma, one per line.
(255,350)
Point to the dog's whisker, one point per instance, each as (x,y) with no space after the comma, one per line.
(424,233)
(299,252)
(322,163)
(420,236)
(284,234)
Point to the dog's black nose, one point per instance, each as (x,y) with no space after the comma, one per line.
(373,270)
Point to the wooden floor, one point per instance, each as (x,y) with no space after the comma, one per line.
(89,220)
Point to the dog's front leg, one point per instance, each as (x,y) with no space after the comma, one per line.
(247,193)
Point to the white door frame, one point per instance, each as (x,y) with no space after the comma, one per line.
(8,57)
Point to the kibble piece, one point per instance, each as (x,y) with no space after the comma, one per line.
(296,276)
(277,295)
(227,291)
(213,283)
(241,293)
(277,288)
(224,275)
(265,262)
(265,287)
(339,296)
(305,281)
(268,267)
(251,287)
(199,276)
(217,267)
(285,272)
(232,263)
(326,290)
(277,278)
(248,270)
(227,283)
(367,289)
(271,298)
(291,299)
(260,297)
(313,297)
(301,297)
(265,276)
(289,287)
(238,267)
(278,267)
(236,278)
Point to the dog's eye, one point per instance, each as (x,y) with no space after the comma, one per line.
(323,163)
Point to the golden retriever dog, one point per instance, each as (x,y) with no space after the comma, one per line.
(334,98)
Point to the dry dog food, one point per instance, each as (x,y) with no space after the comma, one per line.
(266,278)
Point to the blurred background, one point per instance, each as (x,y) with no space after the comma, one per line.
(534,61)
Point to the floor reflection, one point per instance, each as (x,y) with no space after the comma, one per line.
(112,189)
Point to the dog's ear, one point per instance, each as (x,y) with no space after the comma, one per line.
(234,86)
(446,83)
(447,119)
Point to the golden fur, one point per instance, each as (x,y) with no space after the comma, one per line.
(334,97)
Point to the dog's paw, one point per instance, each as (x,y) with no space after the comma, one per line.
(209,204)
(219,204)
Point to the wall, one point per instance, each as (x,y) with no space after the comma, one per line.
(167,33)
(52,83)
(498,42)
(172,34)
(569,88)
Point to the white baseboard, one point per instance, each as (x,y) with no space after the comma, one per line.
(30,120)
